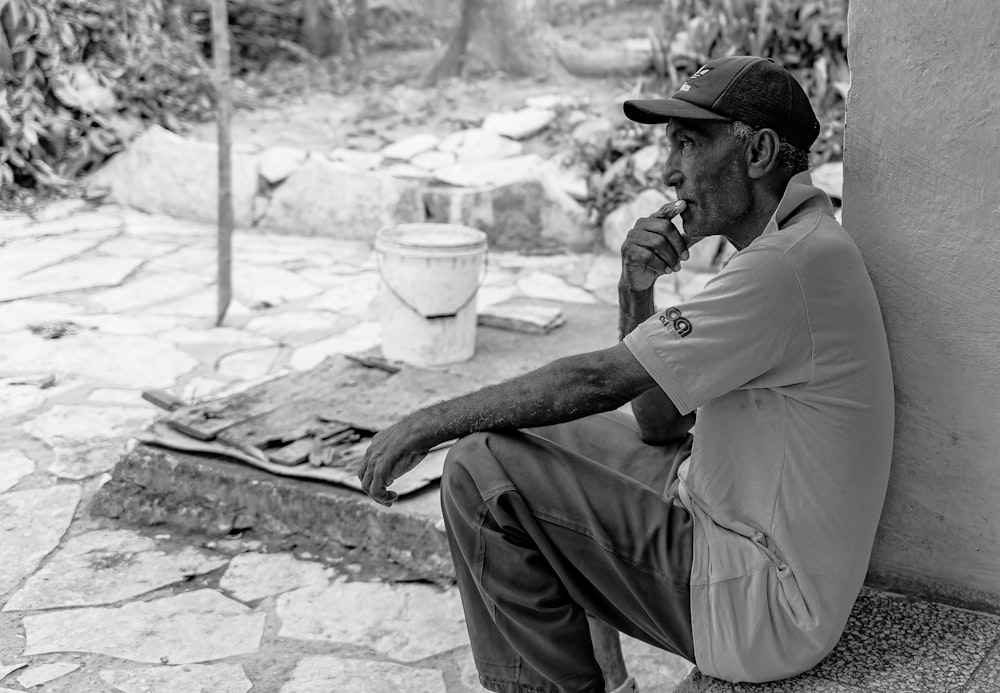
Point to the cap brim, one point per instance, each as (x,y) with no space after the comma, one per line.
(650,111)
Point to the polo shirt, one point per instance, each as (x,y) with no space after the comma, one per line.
(784,357)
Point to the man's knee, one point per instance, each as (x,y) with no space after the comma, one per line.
(458,482)
(478,465)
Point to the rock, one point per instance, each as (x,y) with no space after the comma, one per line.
(164,172)
(110,360)
(71,423)
(7,669)
(324,673)
(27,255)
(477,144)
(128,324)
(646,158)
(107,566)
(146,290)
(425,621)
(197,626)
(74,275)
(493,172)
(829,178)
(249,363)
(289,326)
(277,163)
(368,161)
(88,458)
(31,525)
(479,173)
(519,125)
(255,284)
(409,171)
(14,466)
(111,395)
(551,101)
(60,209)
(593,131)
(524,214)
(17,315)
(19,396)
(433,160)
(573,182)
(552,288)
(43,673)
(253,576)
(190,678)
(618,223)
(352,295)
(23,227)
(201,304)
(330,199)
(408,147)
(363,337)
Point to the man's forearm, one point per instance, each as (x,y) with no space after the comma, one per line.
(657,416)
(564,390)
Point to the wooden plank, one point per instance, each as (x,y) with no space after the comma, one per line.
(383,404)
(334,378)
(292,454)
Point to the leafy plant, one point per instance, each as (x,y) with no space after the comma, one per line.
(78,75)
(808,37)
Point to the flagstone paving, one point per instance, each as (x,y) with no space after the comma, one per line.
(103,303)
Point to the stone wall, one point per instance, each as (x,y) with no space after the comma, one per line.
(922,200)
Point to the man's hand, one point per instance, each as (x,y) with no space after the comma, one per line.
(392,453)
(654,247)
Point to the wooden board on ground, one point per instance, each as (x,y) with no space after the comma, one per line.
(428,471)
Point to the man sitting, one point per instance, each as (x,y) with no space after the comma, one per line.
(741,548)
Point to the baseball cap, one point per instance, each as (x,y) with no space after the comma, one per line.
(754,90)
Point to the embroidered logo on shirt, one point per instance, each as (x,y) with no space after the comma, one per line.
(676,323)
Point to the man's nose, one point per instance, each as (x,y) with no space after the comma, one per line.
(671,175)
(672,178)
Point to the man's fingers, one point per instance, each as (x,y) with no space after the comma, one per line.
(663,242)
(670,210)
(677,240)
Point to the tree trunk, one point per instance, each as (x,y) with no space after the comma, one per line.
(512,36)
(334,27)
(515,37)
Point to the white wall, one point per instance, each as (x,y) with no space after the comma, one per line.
(922,199)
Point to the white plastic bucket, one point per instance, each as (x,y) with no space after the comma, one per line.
(430,276)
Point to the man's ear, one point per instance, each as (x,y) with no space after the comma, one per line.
(762,153)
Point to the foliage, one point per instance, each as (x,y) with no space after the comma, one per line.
(808,37)
(77,75)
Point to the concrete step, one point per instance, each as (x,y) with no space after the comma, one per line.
(893,643)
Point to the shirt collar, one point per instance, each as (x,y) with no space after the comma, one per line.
(800,196)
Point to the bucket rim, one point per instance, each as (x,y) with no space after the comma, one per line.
(430,237)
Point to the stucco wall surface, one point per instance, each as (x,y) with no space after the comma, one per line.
(922,199)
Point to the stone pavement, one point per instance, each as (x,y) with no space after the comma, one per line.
(97,305)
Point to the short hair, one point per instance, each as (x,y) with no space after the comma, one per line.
(791,159)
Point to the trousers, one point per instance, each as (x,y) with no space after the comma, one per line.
(548,525)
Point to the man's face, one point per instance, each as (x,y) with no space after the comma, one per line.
(707,169)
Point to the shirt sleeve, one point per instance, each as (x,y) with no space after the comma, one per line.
(747,328)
